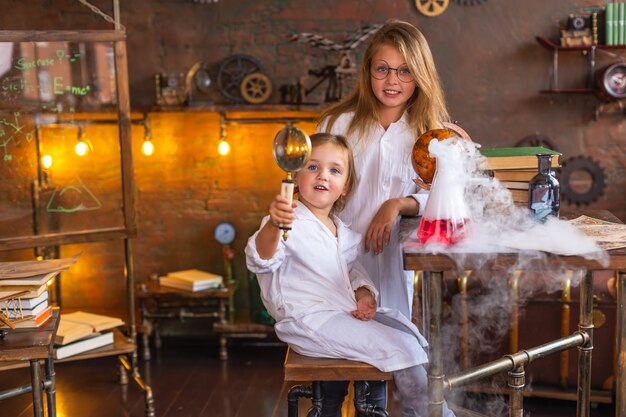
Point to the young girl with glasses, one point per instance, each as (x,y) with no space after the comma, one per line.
(398,97)
(322,299)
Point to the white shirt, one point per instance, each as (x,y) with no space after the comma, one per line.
(384,171)
(308,288)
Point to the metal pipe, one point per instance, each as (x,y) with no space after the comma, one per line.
(585,325)
(435,368)
(35,378)
(566,297)
(620,370)
(50,387)
(464,319)
(514,335)
(516,383)
(510,362)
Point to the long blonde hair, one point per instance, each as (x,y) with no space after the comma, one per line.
(426,109)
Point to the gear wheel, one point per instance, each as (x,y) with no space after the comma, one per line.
(593,169)
(536,139)
(232,72)
(470,2)
(431,8)
(256,88)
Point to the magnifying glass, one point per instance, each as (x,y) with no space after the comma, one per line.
(292,149)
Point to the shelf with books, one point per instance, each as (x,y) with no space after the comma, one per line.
(158,302)
(589,51)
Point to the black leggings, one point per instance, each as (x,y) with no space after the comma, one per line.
(333,393)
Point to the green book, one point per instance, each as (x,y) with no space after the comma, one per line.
(621,30)
(610,23)
(517,157)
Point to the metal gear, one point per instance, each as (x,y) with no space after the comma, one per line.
(256,88)
(431,8)
(593,169)
(231,73)
(536,139)
(470,2)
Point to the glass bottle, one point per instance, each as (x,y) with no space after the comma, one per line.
(544,190)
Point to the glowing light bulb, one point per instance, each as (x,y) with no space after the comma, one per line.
(223,148)
(46,161)
(147,148)
(81,148)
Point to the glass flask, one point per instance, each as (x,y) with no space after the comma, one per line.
(446,215)
(258,312)
(544,190)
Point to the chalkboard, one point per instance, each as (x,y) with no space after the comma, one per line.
(53,95)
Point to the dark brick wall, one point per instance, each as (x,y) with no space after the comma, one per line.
(490,64)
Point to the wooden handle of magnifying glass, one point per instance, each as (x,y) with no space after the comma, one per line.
(286,190)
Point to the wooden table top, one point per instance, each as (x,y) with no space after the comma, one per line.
(426,261)
(27,344)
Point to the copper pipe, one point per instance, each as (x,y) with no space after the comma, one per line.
(514,325)
(516,383)
(435,368)
(566,298)
(585,325)
(510,362)
(620,371)
(464,319)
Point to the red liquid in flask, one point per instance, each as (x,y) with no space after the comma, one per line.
(442,231)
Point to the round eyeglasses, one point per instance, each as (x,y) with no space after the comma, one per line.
(380,71)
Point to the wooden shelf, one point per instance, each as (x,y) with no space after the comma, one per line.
(569,91)
(548,44)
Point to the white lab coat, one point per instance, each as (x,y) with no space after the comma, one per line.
(384,171)
(308,288)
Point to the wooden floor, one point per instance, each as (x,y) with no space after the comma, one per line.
(188,380)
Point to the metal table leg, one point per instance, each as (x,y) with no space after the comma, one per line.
(36,383)
(435,317)
(584,351)
(51,390)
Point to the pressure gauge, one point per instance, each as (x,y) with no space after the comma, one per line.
(225,233)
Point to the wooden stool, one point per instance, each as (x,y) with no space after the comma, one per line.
(306,368)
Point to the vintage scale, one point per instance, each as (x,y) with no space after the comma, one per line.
(292,149)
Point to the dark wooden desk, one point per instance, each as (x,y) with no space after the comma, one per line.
(434,266)
(33,345)
(158,302)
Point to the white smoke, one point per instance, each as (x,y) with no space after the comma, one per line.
(496,226)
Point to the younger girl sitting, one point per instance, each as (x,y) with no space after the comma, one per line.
(322,299)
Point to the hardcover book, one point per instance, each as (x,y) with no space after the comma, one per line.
(12,292)
(191,280)
(30,281)
(516,157)
(77,325)
(23,301)
(29,322)
(515,174)
(83,345)
(17,312)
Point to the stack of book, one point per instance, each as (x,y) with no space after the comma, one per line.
(191,280)
(515,167)
(24,301)
(80,332)
(615,23)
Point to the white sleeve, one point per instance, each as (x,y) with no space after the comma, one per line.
(255,263)
(421,196)
(360,278)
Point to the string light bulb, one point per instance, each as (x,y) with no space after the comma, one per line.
(46,161)
(147,148)
(223,146)
(83,145)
